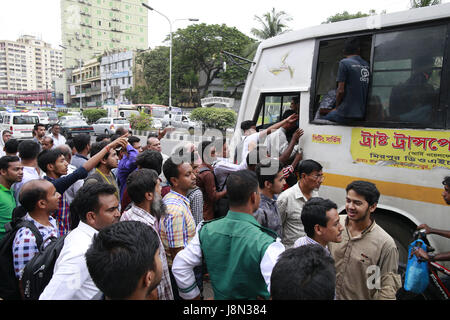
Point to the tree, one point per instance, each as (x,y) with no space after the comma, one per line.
(272,23)
(217,118)
(347,16)
(141,122)
(424,3)
(197,50)
(93,115)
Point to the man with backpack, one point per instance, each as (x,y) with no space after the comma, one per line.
(206,180)
(97,207)
(40,199)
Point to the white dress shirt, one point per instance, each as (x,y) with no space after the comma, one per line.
(29,173)
(58,141)
(71,279)
(191,256)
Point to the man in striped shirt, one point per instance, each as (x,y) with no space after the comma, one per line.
(177,228)
(321,222)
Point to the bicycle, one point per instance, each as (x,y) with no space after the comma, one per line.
(436,289)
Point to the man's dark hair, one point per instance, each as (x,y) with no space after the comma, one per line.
(247,124)
(287,114)
(47,157)
(6,160)
(240,186)
(202,146)
(133,139)
(97,147)
(446,181)
(101,137)
(81,141)
(70,143)
(37,125)
(5,132)
(87,198)
(140,182)
(315,212)
(121,131)
(28,197)
(303,273)
(352,46)
(366,189)
(12,146)
(150,159)
(307,166)
(295,99)
(120,255)
(263,166)
(115,137)
(29,150)
(170,169)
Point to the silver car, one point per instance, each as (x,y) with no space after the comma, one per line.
(110,125)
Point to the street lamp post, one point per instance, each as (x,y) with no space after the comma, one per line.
(170,55)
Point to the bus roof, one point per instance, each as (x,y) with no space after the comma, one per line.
(435,12)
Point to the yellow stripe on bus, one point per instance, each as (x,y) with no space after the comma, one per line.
(392,189)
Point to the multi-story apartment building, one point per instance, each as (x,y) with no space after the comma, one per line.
(88,88)
(90,26)
(117,75)
(28,64)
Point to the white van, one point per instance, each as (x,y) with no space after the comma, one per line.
(20,124)
(404,150)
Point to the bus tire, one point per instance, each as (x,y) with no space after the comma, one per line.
(400,229)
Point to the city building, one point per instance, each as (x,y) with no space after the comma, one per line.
(117,76)
(89,84)
(29,64)
(90,26)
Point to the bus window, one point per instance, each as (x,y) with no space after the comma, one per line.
(272,108)
(406,76)
(330,54)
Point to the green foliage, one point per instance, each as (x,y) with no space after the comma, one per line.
(62,114)
(142,121)
(217,118)
(347,16)
(273,23)
(424,3)
(93,115)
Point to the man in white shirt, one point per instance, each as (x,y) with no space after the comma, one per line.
(290,202)
(28,153)
(98,207)
(58,139)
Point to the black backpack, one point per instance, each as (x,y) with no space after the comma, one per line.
(9,284)
(222,205)
(39,270)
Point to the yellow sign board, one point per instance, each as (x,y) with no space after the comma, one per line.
(423,150)
(325,138)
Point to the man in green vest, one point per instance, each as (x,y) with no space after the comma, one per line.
(11,171)
(239,253)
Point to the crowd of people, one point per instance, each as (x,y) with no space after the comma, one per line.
(140,224)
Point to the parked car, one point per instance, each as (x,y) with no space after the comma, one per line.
(179,121)
(52,117)
(71,127)
(110,125)
(43,116)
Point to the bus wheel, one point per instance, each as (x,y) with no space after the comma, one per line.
(400,229)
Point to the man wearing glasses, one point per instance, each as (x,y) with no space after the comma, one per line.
(290,202)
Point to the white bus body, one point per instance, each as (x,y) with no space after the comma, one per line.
(302,63)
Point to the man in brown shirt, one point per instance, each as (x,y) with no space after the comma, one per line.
(366,260)
(206,179)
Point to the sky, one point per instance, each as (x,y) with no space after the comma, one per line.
(42,18)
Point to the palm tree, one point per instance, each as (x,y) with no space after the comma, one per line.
(424,3)
(273,23)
